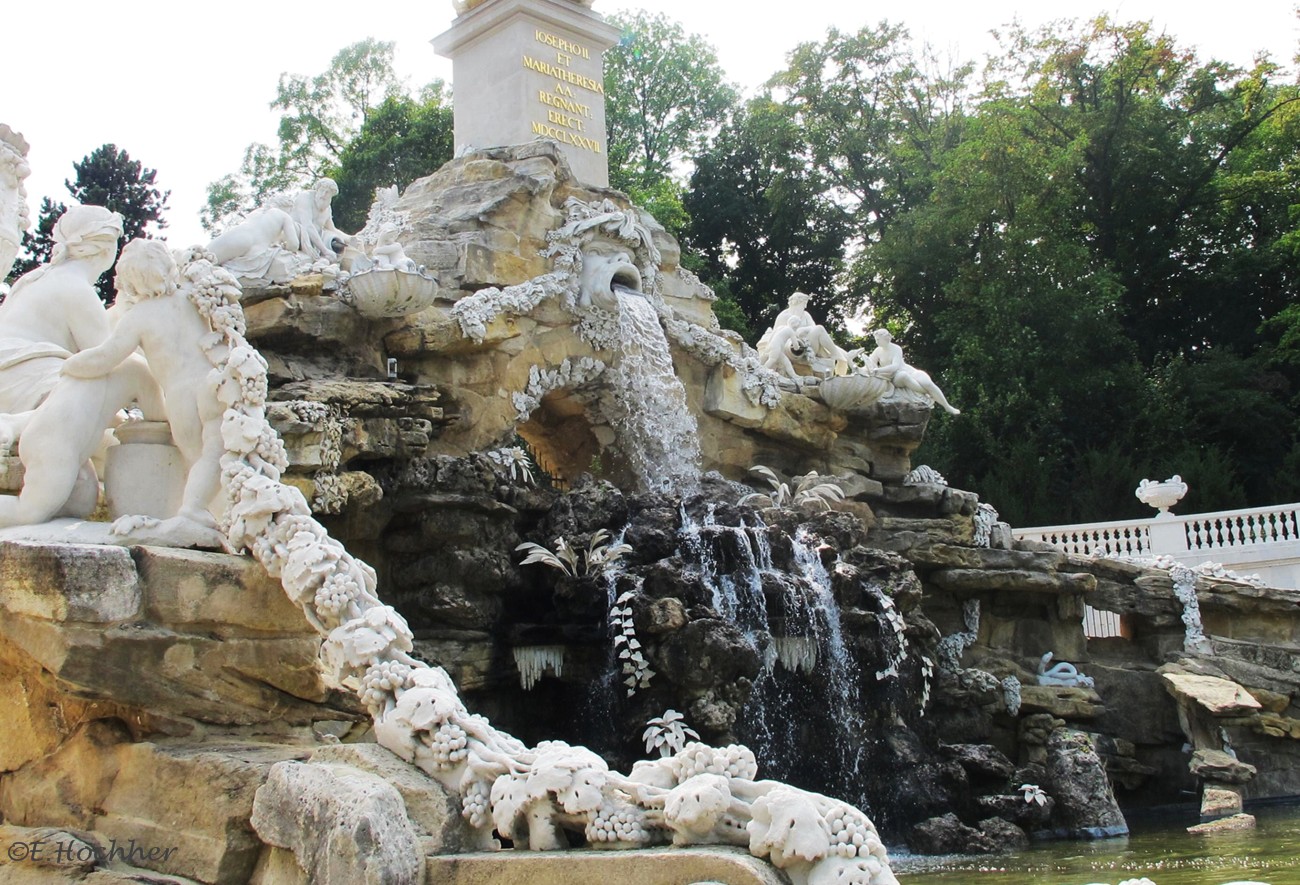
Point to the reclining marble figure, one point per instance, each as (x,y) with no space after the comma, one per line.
(887,362)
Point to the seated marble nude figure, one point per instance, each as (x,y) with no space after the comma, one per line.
(887,362)
(54,311)
(795,334)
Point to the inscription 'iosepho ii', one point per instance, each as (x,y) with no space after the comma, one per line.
(565,117)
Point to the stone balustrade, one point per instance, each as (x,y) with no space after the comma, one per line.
(1259,540)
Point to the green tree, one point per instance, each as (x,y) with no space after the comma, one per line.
(761,217)
(1090,270)
(38,242)
(401,140)
(106,177)
(320,116)
(664,93)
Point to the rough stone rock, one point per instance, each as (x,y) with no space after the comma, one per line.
(195,798)
(432,809)
(1271,701)
(49,856)
(705,653)
(1219,697)
(661,616)
(948,835)
(341,823)
(981,760)
(655,866)
(961,580)
(954,556)
(1216,765)
(900,535)
(1063,702)
(1138,708)
(1223,825)
(96,618)
(1013,807)
(69,582)
(1219,801)
(1004,834)
(1085,804)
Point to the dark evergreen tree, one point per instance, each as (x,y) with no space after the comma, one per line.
(38,242)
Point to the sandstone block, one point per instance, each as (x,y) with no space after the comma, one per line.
(1219,801)
(1061,701)
(341,823)
(1019,580)
(1218,766)
(1224,824)
(433,810)
(68,582)
(192,589)
(1219,697)
(655,866)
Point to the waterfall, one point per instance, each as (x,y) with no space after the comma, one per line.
(809,684)
(657,432)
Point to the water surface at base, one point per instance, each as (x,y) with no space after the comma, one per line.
(1161,850)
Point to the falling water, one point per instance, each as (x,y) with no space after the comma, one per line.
(809,680)
(657,432)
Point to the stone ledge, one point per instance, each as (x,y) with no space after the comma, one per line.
(652,866)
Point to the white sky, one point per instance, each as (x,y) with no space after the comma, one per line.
(185,95)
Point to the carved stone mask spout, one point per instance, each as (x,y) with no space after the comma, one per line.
(605,266)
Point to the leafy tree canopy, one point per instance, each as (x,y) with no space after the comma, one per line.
(665,93)
(320,118)
(106,177)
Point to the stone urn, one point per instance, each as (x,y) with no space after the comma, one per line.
(144,474)
(386,293)
(1161,495)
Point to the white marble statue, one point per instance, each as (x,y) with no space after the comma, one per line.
(161,321)
(54,311)
(1062,673)
(315,219)
(796,336)
(13,196)
(291,235)
(887,362)
(265,245)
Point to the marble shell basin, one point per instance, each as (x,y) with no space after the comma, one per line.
(850,391)
(383,293)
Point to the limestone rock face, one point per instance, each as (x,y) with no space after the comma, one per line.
(1218,697)
(341,823)
(1085,804)
(95,618)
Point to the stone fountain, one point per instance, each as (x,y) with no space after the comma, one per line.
(525,482)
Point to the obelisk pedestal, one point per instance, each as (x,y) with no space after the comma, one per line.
(526,69)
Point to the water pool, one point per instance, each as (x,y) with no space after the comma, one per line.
(1159,848)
